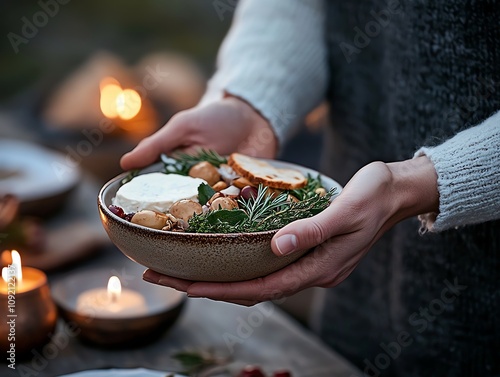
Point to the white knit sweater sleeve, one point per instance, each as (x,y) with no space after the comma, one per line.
(468,169)
(275,58)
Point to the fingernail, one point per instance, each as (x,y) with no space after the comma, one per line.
(286,244)
(151,276)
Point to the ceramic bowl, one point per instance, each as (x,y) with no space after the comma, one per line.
(197,257)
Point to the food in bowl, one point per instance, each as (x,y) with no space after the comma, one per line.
(207,193)
(219,256)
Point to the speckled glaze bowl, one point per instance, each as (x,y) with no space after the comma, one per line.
(197,257)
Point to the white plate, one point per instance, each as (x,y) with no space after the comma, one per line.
(140,372)
(33,173)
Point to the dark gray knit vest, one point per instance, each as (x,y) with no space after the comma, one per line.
(406,74)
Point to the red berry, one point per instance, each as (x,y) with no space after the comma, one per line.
(282,373)
(118,211)
(248,192)
(129,216)
(251,371)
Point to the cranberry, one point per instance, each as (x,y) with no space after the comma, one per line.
(251,371)
(118,211)
(282,373)
(129,216)
(248,192)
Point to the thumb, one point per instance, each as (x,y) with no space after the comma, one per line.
(167,139)
(306,233)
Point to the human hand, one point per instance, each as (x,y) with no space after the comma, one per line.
(226,126)
(376,198)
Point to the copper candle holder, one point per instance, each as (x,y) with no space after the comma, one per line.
(162,307)
(29,316)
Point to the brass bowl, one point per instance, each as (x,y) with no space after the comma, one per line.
(197,257)
(164,305)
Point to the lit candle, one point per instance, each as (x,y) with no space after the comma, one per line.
(28,313)
(113,302)
(18,279)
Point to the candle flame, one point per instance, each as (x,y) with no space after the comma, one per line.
(114,288)
(117,102)
(14,270)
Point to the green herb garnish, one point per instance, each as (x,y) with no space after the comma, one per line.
(259,214)
(205,192)
(180,163)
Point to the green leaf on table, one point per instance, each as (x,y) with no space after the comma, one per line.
(205,192)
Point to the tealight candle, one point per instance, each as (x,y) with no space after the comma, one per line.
(116,317)
(113,302)
(29,312)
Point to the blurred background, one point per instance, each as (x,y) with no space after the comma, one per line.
(59,60)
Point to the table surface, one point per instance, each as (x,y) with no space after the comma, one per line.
(270,338)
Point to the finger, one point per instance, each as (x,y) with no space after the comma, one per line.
(156,278)
(168,138)
(308,233)
(283,283)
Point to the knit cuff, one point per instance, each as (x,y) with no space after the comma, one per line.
(274,58)
(468,169)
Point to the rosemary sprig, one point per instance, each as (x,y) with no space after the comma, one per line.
(263,205)
(180,163)
(259,214)
(309,189)
(203,155)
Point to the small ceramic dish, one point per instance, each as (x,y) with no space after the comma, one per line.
(162,307)
(200,256)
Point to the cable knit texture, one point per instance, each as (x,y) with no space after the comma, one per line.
(274,48)
(468,168)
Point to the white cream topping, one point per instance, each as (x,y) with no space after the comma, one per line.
(156,192)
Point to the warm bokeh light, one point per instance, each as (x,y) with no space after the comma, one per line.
(128,104)
(114,288)
(117,102)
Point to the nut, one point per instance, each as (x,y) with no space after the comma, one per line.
(223,203)
(221,185)
(320,191)
(205,170)
(242,182)
(150,219)
(185,209)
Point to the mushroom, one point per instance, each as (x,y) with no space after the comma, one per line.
(205,170)
(185,209)
(223,203)
(150,219)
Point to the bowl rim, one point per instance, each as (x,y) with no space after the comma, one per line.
(119,177)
